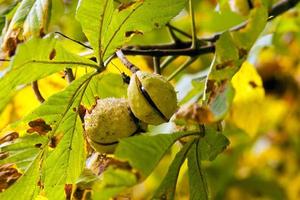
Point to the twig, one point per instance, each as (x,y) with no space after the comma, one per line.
(175,39)
(126,62)
(37,92)
(5,60)
(179,31)
(193,25)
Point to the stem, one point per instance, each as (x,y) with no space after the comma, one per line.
(175,39)
(182,67)
(37,92)
(194,33)
(156,64)
(126,62)
(179,31)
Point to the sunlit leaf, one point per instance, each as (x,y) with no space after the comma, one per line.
(109,28)
(34,64)
(66,162)
(22,151)
(247,103)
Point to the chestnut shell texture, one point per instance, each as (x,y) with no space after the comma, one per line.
(110,120)
(151,97)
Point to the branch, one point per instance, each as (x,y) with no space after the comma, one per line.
(170,52)
(183,48)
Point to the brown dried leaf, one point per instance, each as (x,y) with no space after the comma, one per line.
(39,126)
(196,113)
(9,137)
(8,175)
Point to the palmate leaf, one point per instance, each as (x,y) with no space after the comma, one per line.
(65,162)
(108,28)
(34,60)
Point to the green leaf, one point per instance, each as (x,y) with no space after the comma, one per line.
(36,59)
(144,152)
(113,181)
(247,36)
(94,16)
(60,112)
(22,151)
(226,49)
(108,29)
(212,144)
(26,187)
(197,180)
(65,164)
(166,189)
(101,86)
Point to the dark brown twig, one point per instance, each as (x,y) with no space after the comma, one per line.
(37,92)
(126,62)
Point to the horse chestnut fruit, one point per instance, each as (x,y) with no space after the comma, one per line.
(151,97)
(110,120)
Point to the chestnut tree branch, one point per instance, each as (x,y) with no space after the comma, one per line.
(183,48)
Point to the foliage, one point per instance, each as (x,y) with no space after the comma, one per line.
(235,70)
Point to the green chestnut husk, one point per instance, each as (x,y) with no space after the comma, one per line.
(110,120)
(151,97)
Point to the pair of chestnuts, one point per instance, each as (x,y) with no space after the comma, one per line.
(151,100)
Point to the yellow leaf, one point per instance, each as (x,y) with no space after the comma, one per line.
(247,103)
